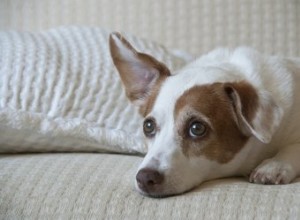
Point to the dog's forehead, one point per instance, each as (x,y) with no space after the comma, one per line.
(175,86)
(205,100)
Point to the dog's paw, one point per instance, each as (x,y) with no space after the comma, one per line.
(272,172)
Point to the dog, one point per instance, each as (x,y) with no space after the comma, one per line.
(227,113)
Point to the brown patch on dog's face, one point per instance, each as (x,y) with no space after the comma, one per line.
(215,107)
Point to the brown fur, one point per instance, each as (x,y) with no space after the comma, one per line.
(244,101)
(147,107)
(216,102)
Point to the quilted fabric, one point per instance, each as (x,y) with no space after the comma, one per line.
(59,91)
(100,186)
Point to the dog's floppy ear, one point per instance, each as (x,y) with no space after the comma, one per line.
(255,113)
(139,72)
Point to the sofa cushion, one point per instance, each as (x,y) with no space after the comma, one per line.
(100,186)
(59,91)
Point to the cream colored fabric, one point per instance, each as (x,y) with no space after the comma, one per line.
(196,26)
(100,186)
(59,91)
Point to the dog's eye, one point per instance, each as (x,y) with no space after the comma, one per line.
(149,127)
(197,129)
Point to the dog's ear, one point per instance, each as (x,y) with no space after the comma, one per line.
(139,72)
(255,113)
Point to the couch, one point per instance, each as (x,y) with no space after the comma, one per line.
(84,183)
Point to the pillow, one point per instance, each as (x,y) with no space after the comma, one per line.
(59,91)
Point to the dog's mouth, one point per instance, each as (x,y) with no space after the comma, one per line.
(152,184)
(157,192)
(162,192)
(155,195)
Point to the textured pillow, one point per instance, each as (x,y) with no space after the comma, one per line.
(59,91)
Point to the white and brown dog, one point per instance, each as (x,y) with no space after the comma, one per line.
(228,113)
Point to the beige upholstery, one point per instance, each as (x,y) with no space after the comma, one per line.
(194,25)
(100,186)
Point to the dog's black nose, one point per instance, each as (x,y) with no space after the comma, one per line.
(147,179)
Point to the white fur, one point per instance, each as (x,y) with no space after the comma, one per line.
(274,78)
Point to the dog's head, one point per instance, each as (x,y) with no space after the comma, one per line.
(197,122)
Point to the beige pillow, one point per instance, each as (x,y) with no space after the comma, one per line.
(59,91)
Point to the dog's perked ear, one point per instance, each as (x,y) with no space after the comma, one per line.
(139,72)
(256,114)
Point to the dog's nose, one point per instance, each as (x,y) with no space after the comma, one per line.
(148,178)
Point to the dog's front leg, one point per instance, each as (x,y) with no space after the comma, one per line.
(281,169)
